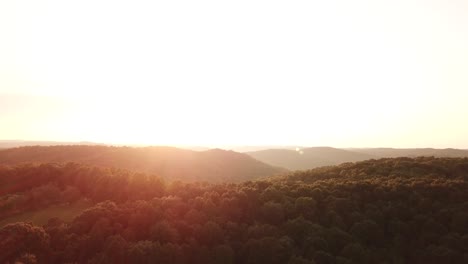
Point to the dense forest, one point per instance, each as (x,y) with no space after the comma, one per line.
(170,163)
(402,210)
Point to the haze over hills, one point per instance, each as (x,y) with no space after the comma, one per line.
(288,157)
(247,148)
(233,132)
(309,158)
(244,149)
(167,162)
(23,143)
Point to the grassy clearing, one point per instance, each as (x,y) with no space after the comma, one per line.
(40,217)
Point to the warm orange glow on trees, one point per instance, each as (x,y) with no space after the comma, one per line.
(367,212)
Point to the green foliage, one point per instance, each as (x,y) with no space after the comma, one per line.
(381,211)
(20,240)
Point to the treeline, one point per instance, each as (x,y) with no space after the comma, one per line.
(420,167)
(383,211)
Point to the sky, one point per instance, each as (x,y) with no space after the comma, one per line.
(362,73)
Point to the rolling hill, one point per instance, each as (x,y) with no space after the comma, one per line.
(167,162)
(308,158)
(4,144)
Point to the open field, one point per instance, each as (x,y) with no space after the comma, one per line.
(65,212)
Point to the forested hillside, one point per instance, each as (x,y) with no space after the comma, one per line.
(309,158)
(415,152)
(166,162)
(381,211)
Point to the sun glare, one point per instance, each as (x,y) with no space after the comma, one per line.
(250,72)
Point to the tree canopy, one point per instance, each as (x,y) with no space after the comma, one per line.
(403,210)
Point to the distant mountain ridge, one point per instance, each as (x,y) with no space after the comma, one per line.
(23,143)
(309,158)
(170,163)
(4,144)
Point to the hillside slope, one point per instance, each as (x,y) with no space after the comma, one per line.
(167,162)
(308,158)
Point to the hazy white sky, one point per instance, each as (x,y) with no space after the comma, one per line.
(339,73)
